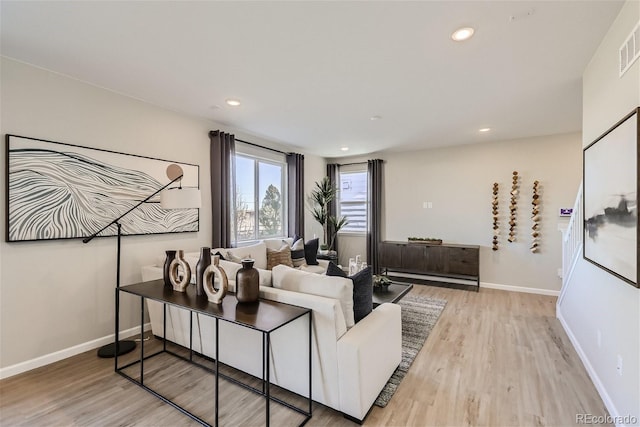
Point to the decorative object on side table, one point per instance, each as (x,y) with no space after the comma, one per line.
(424,240)
(381,282)
(179,282)
(513,207)
(208,279)
(247,282)
(203,262)
(535,217)
(171,255)
(494,211)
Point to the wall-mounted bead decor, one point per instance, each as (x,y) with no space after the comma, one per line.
(494,211)
(535,217)
(513,208)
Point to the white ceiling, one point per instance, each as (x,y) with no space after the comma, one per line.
(311,74)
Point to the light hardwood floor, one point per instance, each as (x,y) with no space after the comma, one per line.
(494,358)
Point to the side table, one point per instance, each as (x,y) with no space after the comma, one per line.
(264,316)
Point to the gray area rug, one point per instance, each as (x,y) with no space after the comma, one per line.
(419,316)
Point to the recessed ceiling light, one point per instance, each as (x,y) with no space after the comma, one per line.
(462,34)
(373,118)
(345,148)
(233,102)
(484,130)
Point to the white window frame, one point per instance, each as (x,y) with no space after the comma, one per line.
(265,157)
(347,170)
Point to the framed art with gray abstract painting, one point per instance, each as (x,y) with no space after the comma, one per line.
(65,191)
(610,203)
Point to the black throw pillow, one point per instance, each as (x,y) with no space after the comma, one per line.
(362,289)
(311,251)
(220,255)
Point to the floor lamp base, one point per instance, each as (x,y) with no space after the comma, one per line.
(109,350)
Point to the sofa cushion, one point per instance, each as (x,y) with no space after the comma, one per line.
(257,252)
(339,288)
(281,256)
(362,290)
(297,253)
(277,243)
(311,251)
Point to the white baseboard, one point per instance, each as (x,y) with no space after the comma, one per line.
(513,288)
(608,403)
(28,365)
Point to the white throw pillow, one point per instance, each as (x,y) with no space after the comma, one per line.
(339,288)
(276,244)
(257,252)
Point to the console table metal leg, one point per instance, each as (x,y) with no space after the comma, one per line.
(164,327)
(117,332)
(310,388)
(141,340)
(191,336)
(217,367)
(265,353)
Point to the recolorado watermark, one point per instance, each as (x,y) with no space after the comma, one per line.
(606,419)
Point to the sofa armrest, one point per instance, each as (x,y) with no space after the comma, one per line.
(290,355)
(367,356)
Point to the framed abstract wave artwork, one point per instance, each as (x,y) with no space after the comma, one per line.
(610,202)
(63,191)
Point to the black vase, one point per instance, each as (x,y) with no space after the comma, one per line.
(165,270)
(203,263)
(247,282)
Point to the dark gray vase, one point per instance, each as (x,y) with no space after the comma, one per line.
(165,269)
(247,282)
(203,263)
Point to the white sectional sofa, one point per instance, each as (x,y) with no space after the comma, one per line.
(350,363)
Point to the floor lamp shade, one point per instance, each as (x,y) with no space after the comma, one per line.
(180,198)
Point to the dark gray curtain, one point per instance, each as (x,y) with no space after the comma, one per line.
(332,207)
(374,212)
(295,173)
(223,150)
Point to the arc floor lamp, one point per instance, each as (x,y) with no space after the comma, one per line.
(170,198)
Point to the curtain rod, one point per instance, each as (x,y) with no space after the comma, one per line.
(263,147)
(351,164)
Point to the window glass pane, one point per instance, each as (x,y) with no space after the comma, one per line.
(245,198)
(353,200)
(271,213)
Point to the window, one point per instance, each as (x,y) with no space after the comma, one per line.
(260,196)
(352,201)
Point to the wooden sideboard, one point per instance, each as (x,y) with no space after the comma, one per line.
(446,260)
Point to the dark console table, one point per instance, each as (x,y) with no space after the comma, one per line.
(445,260)
(264,316)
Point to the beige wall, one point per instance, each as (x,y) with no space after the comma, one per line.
(596,302)
(55,295)
(458,182)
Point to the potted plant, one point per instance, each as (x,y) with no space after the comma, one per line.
(319,199)
(381,282)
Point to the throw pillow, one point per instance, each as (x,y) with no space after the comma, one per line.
(297,253)
(257,252)
(362,289)
(233,258)
(311,251)
(281,256)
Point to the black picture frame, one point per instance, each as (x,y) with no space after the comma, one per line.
(60,191)
(610,202)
